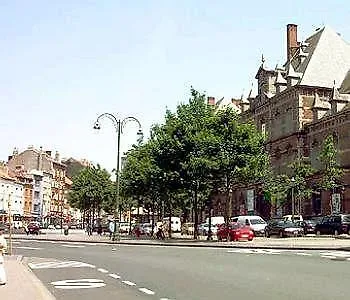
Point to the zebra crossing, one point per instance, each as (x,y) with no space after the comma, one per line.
(59,264)
(332,255)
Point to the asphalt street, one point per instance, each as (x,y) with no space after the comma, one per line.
(101,271)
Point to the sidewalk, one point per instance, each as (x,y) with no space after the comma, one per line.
(302,243)
(22,284)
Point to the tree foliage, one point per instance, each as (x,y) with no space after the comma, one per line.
(92,189)
(196,150)
(330,167)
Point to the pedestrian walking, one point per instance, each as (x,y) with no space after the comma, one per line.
(3,247)
(111,229)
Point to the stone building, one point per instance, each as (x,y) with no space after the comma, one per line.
(300,103)
(48,174)
(11,198)
(297,105)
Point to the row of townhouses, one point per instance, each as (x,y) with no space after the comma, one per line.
(297,105)
(34,185)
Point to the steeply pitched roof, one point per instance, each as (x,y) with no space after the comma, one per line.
(328,59)
(345,86)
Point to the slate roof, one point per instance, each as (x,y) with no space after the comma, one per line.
(327,59)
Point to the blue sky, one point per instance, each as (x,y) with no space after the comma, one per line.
(64,62)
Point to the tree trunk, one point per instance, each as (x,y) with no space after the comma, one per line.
(130,219)
(138,213)
(170,215)
(209,229)
(153,207)
(195,233)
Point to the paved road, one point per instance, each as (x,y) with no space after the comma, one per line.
(154,272)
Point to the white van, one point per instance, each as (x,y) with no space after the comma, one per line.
(256,223)
(175,223)
(215,220)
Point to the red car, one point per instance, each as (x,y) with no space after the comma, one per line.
(234,232)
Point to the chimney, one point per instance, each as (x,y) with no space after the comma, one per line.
(292,40)
(211,101)
(48,152)
(57,156)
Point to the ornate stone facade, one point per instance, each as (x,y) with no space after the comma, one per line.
(298,105)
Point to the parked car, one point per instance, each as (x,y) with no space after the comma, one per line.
(146,229)
(308,226)
(33,228)
(293,218)
(256,223)
(234,232)
(334,224)
(124,227)
(203,229)
(283,228)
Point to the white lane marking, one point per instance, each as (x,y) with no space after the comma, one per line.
(146,291)
(73,246)
(304,254)
(115,276)
(102,270)
(28,248)
(16,243)
(164,299)
(336,253)
(78,284)
(128,282)
(328,256)
(348,259)
(57,265)
(255,251)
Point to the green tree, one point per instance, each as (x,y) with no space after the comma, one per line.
(276,188)
(330,167)
(239,153)
(302,171)
(91,192)
(183,152)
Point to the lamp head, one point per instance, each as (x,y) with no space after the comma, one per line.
(140,134)
(97,125)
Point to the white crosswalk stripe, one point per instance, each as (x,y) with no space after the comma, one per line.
(56,265)
(256,251)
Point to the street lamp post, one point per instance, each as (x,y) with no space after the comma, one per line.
(293,204)
(10,224)
(119,125)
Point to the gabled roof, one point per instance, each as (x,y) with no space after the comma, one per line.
(328,59)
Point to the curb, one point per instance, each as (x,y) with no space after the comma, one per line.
(41,288)
(192,244)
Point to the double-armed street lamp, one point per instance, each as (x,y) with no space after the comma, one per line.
(119,124)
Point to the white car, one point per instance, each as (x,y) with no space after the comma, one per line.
(295,218)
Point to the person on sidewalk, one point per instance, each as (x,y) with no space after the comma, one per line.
(3,247)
